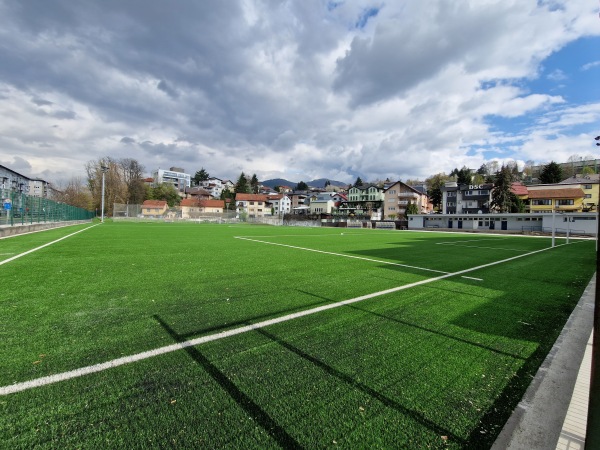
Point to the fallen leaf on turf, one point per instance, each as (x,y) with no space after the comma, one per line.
(173,401)
(444,438)
(37,362)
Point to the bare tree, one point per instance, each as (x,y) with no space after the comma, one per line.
(133,177)
(115,188)
(75,193)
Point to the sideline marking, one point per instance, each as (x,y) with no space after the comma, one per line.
(341,254)
(472,278)
(45,245)
(50,379)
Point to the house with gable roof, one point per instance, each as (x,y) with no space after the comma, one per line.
(154,208)
(253,205)
(397,197)
(366,200)
(192,208)
(280,204)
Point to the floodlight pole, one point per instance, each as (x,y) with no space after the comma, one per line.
(104,170)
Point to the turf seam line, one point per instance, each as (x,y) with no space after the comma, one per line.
(45,245)
(50,379)
(341,254)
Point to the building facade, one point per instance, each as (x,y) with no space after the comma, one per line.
(466,198)
(179,180)
(397,197)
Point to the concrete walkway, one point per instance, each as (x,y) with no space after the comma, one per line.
(553,411)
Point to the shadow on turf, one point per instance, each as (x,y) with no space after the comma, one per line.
(243,400)
(389,402)
(253,319)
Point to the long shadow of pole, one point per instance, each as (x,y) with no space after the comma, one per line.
(243,400)
(391,403)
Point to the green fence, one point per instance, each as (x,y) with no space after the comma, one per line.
(21,209)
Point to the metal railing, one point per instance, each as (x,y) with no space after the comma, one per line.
(17,208)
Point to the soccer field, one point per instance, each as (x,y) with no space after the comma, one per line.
(147,335)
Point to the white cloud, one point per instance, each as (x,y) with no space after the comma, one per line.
(287,89)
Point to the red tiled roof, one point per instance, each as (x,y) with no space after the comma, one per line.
(250,197)
(556,193)
(154,204)
(191,202)
(211,203)
(518,189)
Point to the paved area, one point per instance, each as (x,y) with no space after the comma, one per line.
(553,411)
(572,436)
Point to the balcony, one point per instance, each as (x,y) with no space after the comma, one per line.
(408,195)
(403,202)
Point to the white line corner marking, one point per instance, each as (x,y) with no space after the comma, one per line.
(50,379)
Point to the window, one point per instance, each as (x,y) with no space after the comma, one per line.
(391,208)
(451,204)
(252,203)
(452,194)
(391,200)
(393,191)
(588,195)
(541,201)
(564,202)
(587,186)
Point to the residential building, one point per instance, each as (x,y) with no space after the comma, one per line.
(590,186)
(197,193)
(280,203)
(214,186)
(179,180)
(366,200)
(154,208)
(298,199)
(253,205)
(397,197)
(322,203)
(466,198)
(39,188)
(546,198)
(192,208)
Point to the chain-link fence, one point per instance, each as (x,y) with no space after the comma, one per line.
(22,209)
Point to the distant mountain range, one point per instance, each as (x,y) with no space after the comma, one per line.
(320,183)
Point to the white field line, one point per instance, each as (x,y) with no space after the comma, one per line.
(43,381)
(340,254)
(472,278)
(45,245)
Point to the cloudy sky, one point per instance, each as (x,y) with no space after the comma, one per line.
(299,89)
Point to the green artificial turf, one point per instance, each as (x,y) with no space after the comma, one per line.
(438,365)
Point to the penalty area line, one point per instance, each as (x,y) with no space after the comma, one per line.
(341,254)
(50,379)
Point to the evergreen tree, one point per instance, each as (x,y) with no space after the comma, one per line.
(412,208)
(463,176)
(434,184)
(241,187)
(358,182)
(502,197)
(254,184)
(201,175)
(551,173)
(302,186)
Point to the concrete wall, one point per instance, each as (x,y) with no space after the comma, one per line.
(13,230)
